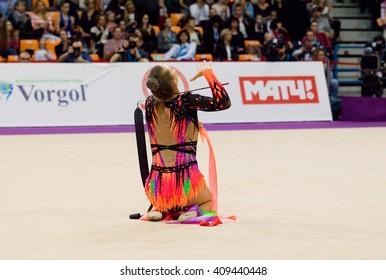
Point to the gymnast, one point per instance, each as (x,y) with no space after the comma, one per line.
(175,182)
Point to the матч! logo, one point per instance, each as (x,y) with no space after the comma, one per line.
(5,90)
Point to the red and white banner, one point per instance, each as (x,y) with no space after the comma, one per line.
(56,94)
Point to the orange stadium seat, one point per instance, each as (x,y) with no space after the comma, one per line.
(202,56)
(51,44)
(251,42)
(176,29)
(94,57)
(157,56)
(199,29)
(13,58)
(46,3)
(246,57)
(54,15)
(29,44)
(156,29)
(176,17)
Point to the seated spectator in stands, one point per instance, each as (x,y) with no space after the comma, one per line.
(310,44)
(333,90)
(148,34)
(237,37)
(185,6)
(194,34)
(130,16)
(42,22)
(151,8)
(75,53)
(113,45)
(321,36)
(87,21)
(166,37)
(246,7)
(117,7)
(212,33)
(21,21)
(279,8)
(111,21)
(65,21)
(9,40)
(63,45)
(264,47)
(272,16)
(277,51)
(184,50)
(279,32)
(200,11)
(24,57)
(163,12)
(245,24)
(259,29)
(225,50)
(42,54)
(262,7)
(99,35)
(323,23)
(222,9)
(130,52)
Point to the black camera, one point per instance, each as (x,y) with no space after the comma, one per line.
(76,52)
(132,45)
(372,68)
(273,47)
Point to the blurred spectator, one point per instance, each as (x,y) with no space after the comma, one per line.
(183,50)
(272,16)
(212,33)
(194,34)
(225,50)
(279,32)
(111,21)
(321,36)
(9,40)
(65,21)
(259,29)
(42,54)
(381,20)
(151,8)
(21,21)
(279,8)
(99,35)
(103,5)
(310,44)
(166,37)
(130,52)
(237,36)
(163,12)
(333,89)
(323,23)
(87,21)
(245,25)
(247,8)
(130,16)
(117,7)
(200,11)
(326,12)
(42,22)
(75,53)
(24,57)
(113,45)
(63,45)
(222,10)
(262,7)
(148,34)
(185,6)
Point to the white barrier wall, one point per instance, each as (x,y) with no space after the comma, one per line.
(54,94)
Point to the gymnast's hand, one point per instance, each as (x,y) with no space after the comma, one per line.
(201,67)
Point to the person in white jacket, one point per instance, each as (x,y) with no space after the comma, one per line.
(184,50)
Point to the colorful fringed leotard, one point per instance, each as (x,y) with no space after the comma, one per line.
(175,178)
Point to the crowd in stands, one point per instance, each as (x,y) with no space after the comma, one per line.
(144,30)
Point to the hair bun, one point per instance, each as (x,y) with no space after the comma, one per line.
(153,84)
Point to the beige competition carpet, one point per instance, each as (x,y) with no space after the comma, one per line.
(297,194)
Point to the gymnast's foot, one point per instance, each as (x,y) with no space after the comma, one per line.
(154,215)
(187,215)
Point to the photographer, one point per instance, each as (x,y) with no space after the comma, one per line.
(75,53)
(276,50)
(130,52)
